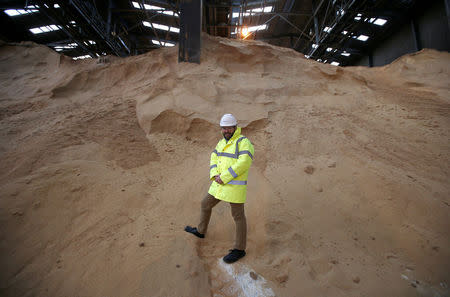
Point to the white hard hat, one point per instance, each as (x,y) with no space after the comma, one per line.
(228,120)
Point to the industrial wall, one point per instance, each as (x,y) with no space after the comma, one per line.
(430,30)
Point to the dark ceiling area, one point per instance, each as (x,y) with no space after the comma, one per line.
(330,31)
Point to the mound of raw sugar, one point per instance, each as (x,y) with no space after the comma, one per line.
(103,163)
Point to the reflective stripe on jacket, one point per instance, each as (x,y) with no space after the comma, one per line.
(231,160)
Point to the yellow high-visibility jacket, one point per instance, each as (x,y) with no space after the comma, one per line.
(231,160)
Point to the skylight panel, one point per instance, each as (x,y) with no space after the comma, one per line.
(362,37)
(335,63)
(36,30)
(82,57)
(68,46)
(12,12)
(163,43)
(43,29)
(152,7)
(15,12)
(158,9)
(161,27)
(380,22)
(257,28)
(253,11)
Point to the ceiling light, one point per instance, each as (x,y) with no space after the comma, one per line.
(363,37)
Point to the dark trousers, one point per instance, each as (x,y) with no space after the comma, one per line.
(237,211)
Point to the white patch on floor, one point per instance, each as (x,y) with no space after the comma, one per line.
(239,281)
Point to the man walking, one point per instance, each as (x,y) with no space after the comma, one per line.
(229,166)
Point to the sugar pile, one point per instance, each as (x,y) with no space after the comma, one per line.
(105,161)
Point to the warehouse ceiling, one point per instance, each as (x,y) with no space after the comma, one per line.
(338,32)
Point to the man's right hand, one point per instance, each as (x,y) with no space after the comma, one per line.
(218,179)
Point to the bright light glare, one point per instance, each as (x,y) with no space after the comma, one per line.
(380,22)
(335,63)
(345,54)
(245,32)
(329,49)
(344,32)
(327,29)
(315,45)
(136,5)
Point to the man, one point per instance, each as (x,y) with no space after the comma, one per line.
(229,166)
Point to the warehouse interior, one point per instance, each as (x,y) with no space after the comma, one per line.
(339,32)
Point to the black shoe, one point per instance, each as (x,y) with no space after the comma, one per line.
(194,231)
(233,256)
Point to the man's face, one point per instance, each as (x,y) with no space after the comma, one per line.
(228,132)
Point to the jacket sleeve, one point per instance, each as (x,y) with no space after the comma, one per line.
(245,159)
(213,165)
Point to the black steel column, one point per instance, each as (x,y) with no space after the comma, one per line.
(190,31)
(316,22)
(371,59)
(416,34)
(447,11)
